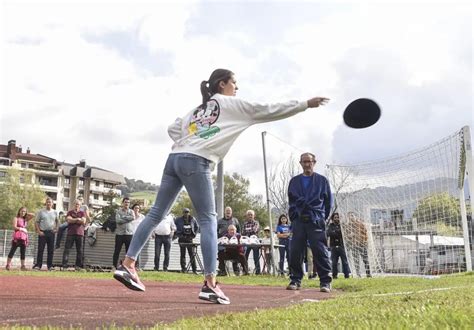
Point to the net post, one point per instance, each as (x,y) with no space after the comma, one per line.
(468,170)
(465,230)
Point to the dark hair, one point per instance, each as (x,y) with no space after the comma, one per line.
(211,87)
(19,210)
(136,204)
(125,199)
(333,215)
(283,216)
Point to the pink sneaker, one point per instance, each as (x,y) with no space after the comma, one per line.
(213,294)
(128,278)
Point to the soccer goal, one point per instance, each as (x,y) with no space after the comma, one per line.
(407,214)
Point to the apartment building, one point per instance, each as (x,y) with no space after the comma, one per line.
(63,182)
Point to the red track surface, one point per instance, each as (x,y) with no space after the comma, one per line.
(90,303)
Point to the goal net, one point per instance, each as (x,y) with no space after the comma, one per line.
(405,214)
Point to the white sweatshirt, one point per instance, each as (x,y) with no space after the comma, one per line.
(210,130)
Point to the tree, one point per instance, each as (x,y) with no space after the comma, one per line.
(436,209)
(16,190)
(237,196)
(279,179)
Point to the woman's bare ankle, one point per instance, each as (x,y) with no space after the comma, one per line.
(129,263)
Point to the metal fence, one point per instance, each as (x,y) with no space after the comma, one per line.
(99,255)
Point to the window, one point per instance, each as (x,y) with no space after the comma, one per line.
(3,175)
(66,192)
(96,196)
(97,183)
(108,185)
(67,180)
(23,165)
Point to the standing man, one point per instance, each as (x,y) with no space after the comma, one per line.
(186,229)
(224,223)
(46,225)
(76,220)
(63,227)
(336,243)
(252,227)
(309,197)
(163,235)
(123,233)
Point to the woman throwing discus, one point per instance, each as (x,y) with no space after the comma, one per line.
(202,138)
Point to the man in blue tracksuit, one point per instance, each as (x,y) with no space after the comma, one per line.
(309,197)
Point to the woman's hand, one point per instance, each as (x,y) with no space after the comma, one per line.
(317,101)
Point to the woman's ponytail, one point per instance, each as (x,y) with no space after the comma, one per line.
(211,87)
(206,95)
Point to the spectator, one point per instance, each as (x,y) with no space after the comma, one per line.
(252,227)
(62,228)
(222,226)
(123,233)
(232,252)
(283,233)
(267,249)
(46,226)
(309,197)
(186,229)
(357,243)
(224,223)
(163,236)
(76,220)
(336,244)
(20,237)
(138,218)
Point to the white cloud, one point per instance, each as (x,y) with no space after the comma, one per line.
(103,81)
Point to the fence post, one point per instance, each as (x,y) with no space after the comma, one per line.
(5,244)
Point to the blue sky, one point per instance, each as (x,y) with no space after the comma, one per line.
(102,81)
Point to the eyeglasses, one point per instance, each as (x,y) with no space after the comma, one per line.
(307,162)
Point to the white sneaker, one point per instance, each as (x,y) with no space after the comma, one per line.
(128,278)
(213,294)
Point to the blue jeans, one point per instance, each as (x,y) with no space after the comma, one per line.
(164,240)
(284,250)
(59,236)
(309,232)
(194,173)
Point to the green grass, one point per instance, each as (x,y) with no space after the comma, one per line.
(377,303)
(149,195)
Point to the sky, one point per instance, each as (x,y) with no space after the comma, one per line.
(102,80)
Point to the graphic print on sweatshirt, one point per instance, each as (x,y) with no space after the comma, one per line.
(202,119)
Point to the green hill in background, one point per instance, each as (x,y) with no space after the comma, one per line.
(148,195)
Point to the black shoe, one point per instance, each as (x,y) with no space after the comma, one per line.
(293,286)
(165,269)
(214,295)
(221,273)
(325,288)
(128,278)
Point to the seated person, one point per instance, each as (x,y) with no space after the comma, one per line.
(232,252)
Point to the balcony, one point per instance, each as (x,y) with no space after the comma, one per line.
(97,202)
